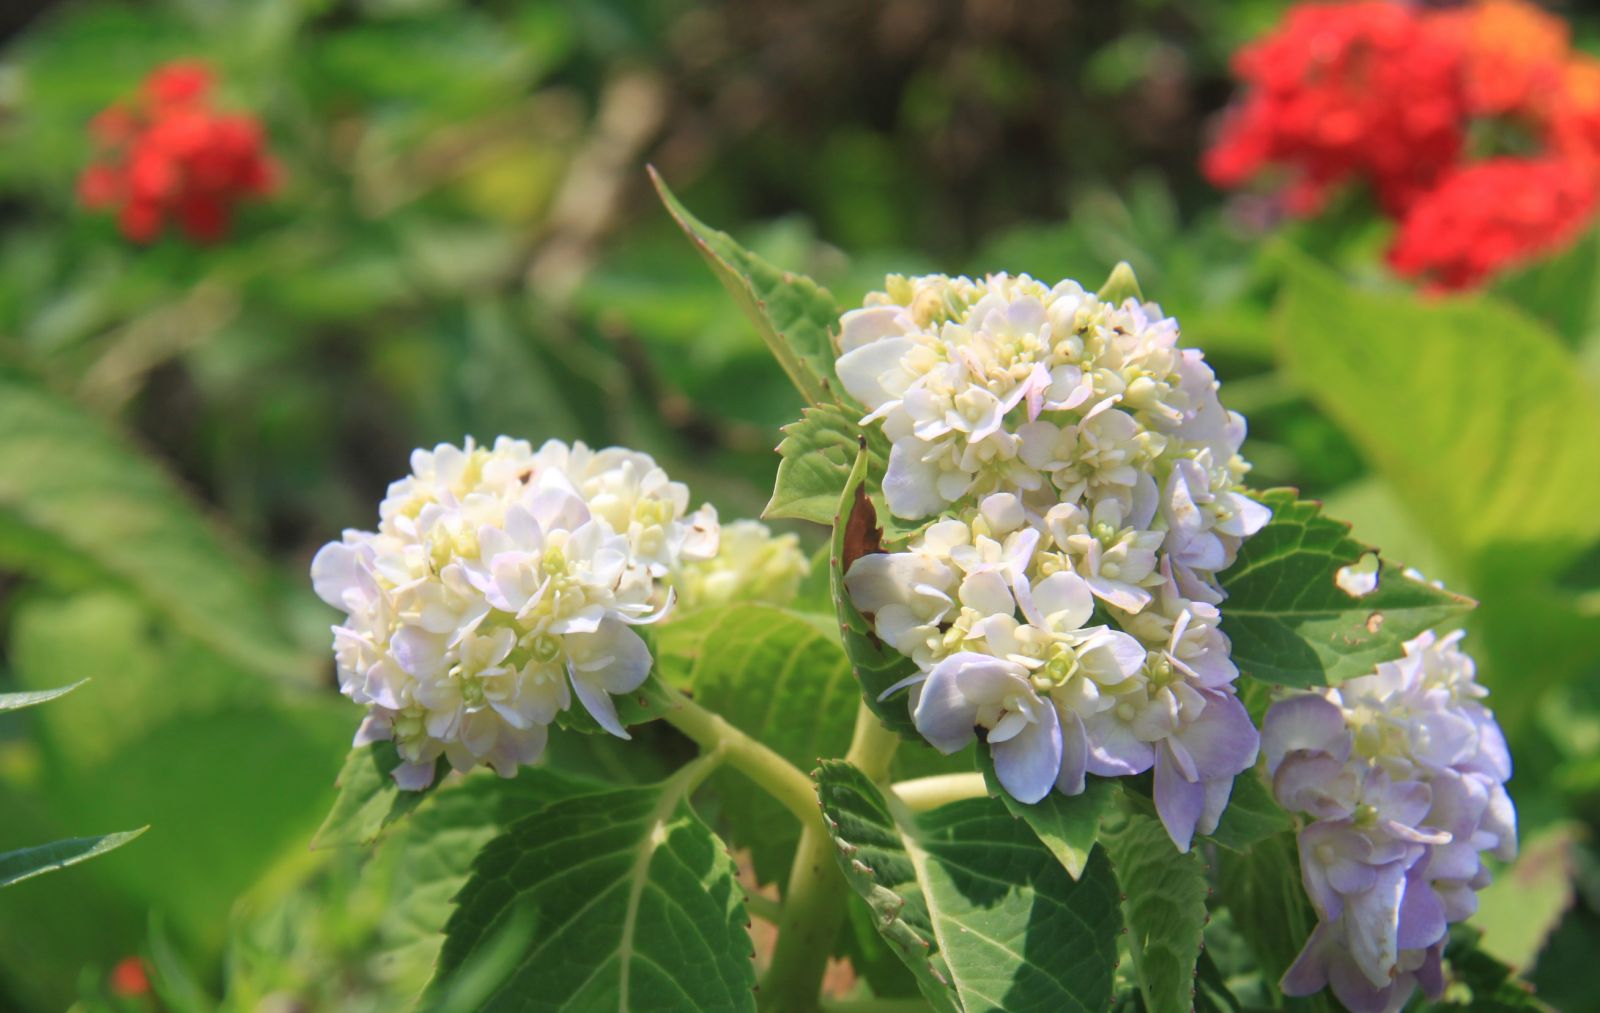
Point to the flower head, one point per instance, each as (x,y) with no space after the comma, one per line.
(1087,485)
(500,583)
(1403,773)
(169,156)
(1488,216)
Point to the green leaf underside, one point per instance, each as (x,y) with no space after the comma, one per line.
(16,866)
(112,513)
(779,677)
(1068,825)
(1163,905)
(1478,417)
(877,665)
(1290,623)
(793,313)
(368,799)
(1262,890)
(983,915)
(815,459)
(32,698)
(635,903)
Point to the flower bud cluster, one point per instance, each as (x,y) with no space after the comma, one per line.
(1088,485)
(500,582)
(752,564)
(1402,773)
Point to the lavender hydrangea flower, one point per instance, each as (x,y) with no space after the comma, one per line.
(1403,774)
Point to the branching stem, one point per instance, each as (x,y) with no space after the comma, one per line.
(924,793)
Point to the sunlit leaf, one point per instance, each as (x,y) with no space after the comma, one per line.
(983,914)
(1291,623)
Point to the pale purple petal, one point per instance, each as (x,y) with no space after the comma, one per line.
(1222,739)
(1305,722)
(1028,763)
(1179,801)
(598,702)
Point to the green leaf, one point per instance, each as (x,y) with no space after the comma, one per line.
(434,852)
(814,462)
(1066,824)
(793,313)
(1164,906)
(1261,889)
(1477,416)
(1559,291)
(16,866)
(1121,286)
(368,799)
(877,665)
(17,701)
(815,459)
(636,901)
(1288,620)
(983,915)
(76,500)
(1252,814)
(1493,986)
(779,677)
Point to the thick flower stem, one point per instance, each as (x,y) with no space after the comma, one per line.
(771,772)
(814,903)
(924,793)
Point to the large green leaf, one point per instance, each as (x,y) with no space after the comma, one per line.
(877,665)
(636,904)
(32,698)
(1066,824)
(1291,623)
(1560,291)
(16,866)
(1261,888)
(1164,906)
(983,915)
(77,500)
(433,856)
(781,678)
(1477,416)
(794,315)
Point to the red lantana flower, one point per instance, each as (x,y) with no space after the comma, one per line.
(1366,91)
(170,156)
(1386,94)
(1487,216)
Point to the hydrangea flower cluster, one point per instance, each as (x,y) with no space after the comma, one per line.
(1319,109)
(500,583)
(751,564)
(1087,482)
(170,157)
(1402,773)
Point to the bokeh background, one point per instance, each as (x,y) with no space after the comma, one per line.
(464,241)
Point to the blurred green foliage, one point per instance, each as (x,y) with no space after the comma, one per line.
(466,242)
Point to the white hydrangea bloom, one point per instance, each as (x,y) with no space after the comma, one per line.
(1403,772)
(1007,384)
(500,583)
(1087,487)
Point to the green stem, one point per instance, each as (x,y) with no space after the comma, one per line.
(924,793)
(814,903)
(771,772)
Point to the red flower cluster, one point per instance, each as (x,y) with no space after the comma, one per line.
(169,156)
(1388,95)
